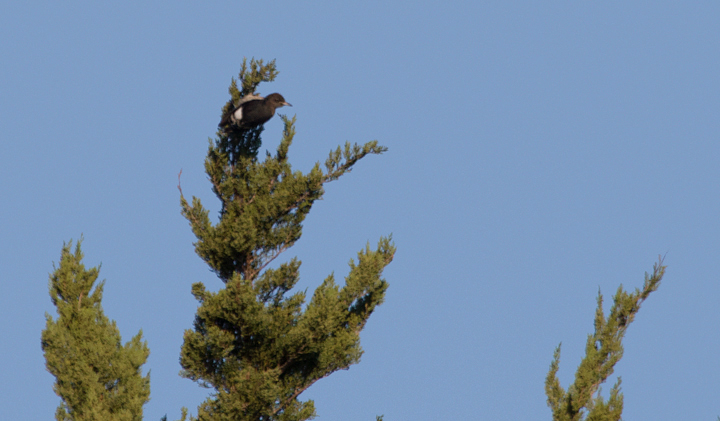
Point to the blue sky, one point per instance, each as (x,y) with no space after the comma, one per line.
(538,152)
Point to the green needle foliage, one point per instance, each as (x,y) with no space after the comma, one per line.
(97,377)
(582,400)
(256,344)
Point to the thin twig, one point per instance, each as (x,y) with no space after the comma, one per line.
(180,188)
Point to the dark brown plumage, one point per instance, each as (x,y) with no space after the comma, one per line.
(253,112)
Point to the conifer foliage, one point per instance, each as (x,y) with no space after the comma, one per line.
(582,400)
(97,377)
(253,341)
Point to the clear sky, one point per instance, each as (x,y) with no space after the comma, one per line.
(538,152)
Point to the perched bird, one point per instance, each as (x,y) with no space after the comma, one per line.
(253,110)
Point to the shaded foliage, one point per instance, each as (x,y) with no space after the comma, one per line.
(253,342)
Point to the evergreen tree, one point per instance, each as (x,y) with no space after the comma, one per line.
(97,378)
(603,350)
(252,340)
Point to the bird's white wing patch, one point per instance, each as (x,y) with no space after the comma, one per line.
(237,115)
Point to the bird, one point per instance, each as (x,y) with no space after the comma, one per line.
(253,110)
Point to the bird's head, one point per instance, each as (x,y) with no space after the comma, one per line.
(277,100)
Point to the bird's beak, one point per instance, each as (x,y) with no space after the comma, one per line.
(288,104)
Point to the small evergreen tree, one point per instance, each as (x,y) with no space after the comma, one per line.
(97,378)
(603,350)
(252,341)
